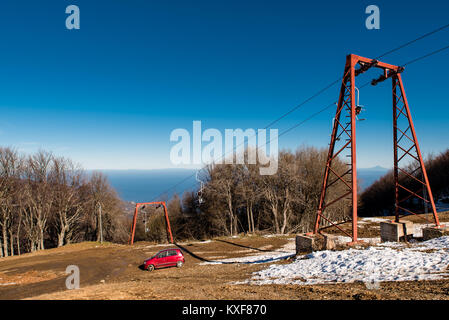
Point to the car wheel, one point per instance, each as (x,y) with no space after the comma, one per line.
(179,264)
(150,268)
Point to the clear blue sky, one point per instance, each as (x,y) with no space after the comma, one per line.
(108,95)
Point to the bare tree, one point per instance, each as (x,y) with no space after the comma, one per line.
(97,193)
(10,166)
(46,201)
(249,190)
(67,179)
(222,189)
(41,198)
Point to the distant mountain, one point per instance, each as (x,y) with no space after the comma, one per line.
(367,176)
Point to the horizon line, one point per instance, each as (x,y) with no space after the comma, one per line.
(183,168)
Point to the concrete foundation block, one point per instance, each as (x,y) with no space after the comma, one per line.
(304,244)
(433,232)
(309,243)
(396,231)
(330,242)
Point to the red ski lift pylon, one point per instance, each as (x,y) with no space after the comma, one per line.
(348,179)
(167,220)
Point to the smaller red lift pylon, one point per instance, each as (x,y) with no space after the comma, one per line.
(167,220)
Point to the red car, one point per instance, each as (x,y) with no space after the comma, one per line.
(165,258)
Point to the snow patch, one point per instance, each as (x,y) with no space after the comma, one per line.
(386,262)
(372,220)
(345,239)
(273,235)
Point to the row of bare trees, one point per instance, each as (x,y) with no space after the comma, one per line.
(236,198)
(48,201)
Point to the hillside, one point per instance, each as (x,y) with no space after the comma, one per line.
(239,267)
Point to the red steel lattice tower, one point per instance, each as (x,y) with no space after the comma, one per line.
(338,199)
(167,220)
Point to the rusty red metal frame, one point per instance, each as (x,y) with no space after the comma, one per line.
(167,220)
(346,103)
(400,104)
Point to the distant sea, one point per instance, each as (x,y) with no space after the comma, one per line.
(146,185)
(367,176)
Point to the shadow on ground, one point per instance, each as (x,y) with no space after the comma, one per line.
(263,260)
(248,247)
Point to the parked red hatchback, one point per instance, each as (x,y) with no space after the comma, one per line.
(165,258)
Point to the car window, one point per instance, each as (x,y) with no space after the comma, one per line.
(171,253)
(162,254)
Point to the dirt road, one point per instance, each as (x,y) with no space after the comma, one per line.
(41,273)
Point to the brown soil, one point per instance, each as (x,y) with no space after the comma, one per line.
(26,277)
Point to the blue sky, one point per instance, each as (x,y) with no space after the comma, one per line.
(108,95)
